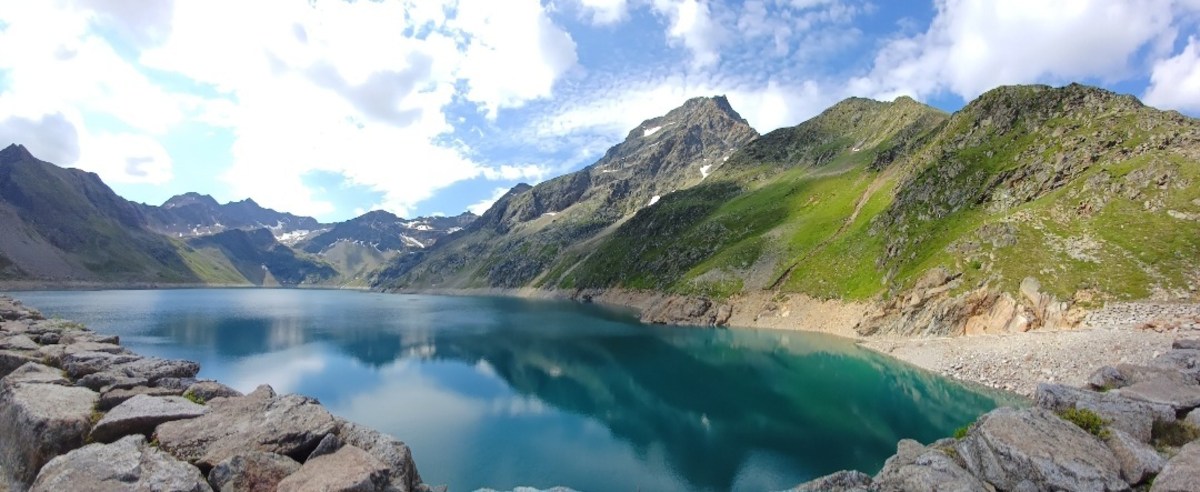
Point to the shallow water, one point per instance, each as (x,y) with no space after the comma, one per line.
(497,392)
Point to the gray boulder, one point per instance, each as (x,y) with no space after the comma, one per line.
(1187,344)
(32,372)
(1176,392)
(18,342)
(843,481)
(128,464)
(328,445)
(1034,449)
(10,360)
(112,398)
(387,449)
(141,414)
(108,348)
(80,364)
(1132,416)
(251,472)
(915,467)
(207,390)
(1193,418)
(1186,361)
(154,369)
(1139,461)
(1109,377)
(108,373)
(290,425)
(349,469)
(39,422)
(1182,473)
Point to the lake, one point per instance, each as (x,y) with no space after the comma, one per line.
(499,392)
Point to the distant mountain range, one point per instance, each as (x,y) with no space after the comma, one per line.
(1026,206)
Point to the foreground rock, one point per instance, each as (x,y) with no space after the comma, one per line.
(916,467)
(39,422)
(1182,473)
(1135,417)
(252,471)
(141,414)
(350,468)
(128,464)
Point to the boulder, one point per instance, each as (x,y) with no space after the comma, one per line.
(349,469)
(1182,473)
(843,481)
(108,348)
(141,414)
(10,360)
(1132,416)
(207,390)
(151,369)
(915,467)
(1187,344)
(1034,449)
(32,372)
(81,364)
(1193,418)
(39,422)
(128,464)
(18,342)
(385,448)
(154,368)
(251,472)
(329,444)
(1139,461)
(181,384)
(1176,392)
(290,425)
(112,398)
(1109,377)
(49,338)
(1186,361)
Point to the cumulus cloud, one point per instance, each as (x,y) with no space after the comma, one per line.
(605,12)
(51,138)
(482,206)
(1175,81)
(693,26)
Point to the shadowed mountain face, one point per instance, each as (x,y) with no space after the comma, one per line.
(258,257)
(386,232)
(193,214)
(65,224)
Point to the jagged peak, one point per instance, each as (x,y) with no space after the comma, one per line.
(189,198)
(1044,98)
(15,153)
(377,215)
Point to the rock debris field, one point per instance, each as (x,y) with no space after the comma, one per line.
(80,412)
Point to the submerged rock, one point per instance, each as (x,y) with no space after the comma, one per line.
(141,414)
(251,472)
(128,464)
(1033,449)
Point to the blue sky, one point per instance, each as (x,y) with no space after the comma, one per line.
(332,108)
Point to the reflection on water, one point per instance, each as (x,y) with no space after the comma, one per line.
(504,392)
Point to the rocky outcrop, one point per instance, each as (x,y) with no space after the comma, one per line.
(1134,426)
(73,386)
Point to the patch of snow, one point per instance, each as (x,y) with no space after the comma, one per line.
(453,230)
(550,214)
(723,159)
(292,236)
(654,199)
(651,131)
(608,170)
(704,171)
(412,242)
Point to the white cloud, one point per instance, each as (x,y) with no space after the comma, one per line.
(605,12)
(692,25)
(483,205)
(1175,81)
(973,45)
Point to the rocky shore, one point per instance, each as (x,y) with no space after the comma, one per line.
(1130,427)
(80,412)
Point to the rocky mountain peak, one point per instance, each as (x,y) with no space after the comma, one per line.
(14,153)
(190,198)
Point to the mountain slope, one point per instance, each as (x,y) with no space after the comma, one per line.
(193,214)
(520,238)
(260,259)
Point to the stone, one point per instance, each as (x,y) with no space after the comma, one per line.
(49,338)
(915,467)
(18,342)
(1033,449)
(290,425)
(80,364)
(1193,418)
(1132,416)
(112,398)
(10,360)
(1186,361)
(207,390)
(843,481)
(251,472)
(32,372)
(385,448)
(108,348)
(39,422)
(349,469)
(154,368)
(329,444)
(1107,378)
(1182,473)
(1179,394)
(1187,343)
(181,384)
(128,464)
(141,414)
(1139,461)
(151,369)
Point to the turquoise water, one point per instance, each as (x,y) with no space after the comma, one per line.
(493,392)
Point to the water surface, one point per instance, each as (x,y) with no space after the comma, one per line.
(496,392)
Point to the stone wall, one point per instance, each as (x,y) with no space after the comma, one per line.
(80,412)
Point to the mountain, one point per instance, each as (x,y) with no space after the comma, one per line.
(533,228)
(262,260)
(67,225)
(193,214)
(1022,209)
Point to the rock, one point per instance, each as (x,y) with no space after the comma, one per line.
(112,398)
(290,425)
(207,390)
(1107,378)
(251,472)
(32,372)
(1182,473)
(1139,461)
(1187,343)
(1193,418)
(1186,361)
(108,348)
(18,342)
(49,338)
(387,449)
(10,360)
(915,467)
(1132,416)
(180,384)
(39,422)
(329,444)
(141,414)
(349,469)
(128,464)
(154,368)
(81,364)
(1033,449)
(1175,392)
(843,481)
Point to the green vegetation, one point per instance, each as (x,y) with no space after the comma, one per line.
(961,432)
(1086,420)
(194,398)
(1173,434)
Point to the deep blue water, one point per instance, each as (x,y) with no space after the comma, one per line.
(496,392)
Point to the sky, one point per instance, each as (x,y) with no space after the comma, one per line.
(331,108)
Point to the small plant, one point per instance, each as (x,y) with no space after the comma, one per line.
(1086,420)
(194,398)
(961,432)
(1173,434)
